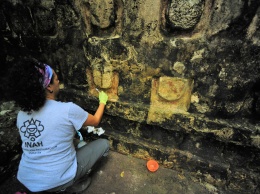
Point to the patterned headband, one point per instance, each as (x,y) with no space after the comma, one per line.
(46,75)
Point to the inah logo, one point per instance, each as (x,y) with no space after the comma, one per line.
(32,129)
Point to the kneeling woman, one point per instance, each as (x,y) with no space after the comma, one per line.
(47,127)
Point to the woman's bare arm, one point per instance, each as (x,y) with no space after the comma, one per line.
(94,120)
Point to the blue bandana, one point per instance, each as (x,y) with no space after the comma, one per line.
(46,75)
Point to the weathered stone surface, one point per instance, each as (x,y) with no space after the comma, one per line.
(209,125)
(226,12)
(253,32)
(10,148)
(179,67)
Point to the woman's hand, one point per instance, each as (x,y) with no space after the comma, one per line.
(94,120)
(103,97)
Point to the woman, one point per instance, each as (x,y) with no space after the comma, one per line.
(47,127)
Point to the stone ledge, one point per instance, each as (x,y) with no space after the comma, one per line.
(235,131)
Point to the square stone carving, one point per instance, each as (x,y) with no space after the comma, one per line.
(106,81)
(169,95)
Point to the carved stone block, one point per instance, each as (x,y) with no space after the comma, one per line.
(169,95)
(106,81)
(184,14)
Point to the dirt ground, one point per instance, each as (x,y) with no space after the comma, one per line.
(122,174)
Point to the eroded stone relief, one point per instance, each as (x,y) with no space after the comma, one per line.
(101,17)
(103,81)
(102,13)
(184,14)
(112,57)
(169,95)
(141,22)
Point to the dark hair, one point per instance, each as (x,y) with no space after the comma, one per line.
(25,86)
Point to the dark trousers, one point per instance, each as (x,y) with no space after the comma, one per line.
(87,156)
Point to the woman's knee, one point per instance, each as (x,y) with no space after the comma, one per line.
(103,142)
(105,145)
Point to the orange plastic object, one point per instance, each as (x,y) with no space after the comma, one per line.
(152,165)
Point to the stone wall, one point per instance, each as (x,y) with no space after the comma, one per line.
(182,76)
